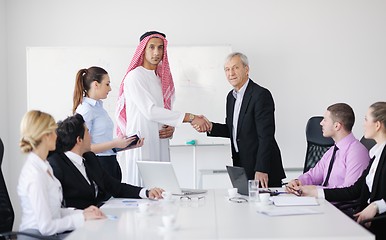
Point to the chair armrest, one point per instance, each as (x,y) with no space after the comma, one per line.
(376,218)
(347,204)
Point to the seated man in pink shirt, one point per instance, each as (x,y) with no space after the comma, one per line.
(343,163)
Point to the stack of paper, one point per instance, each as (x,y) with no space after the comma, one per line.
(288,211)
(121,203)
(294,201)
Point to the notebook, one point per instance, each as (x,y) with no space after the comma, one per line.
(161,174)
(239,179)
(295,201)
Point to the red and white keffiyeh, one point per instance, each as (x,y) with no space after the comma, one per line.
(163,71)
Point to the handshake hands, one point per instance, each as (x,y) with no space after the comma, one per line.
(201,123)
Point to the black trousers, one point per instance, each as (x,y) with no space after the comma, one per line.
(111,166)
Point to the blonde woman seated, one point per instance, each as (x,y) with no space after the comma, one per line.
(39,191)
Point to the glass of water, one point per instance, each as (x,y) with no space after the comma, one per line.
(253,190)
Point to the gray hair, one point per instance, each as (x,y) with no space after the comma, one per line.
(243,58)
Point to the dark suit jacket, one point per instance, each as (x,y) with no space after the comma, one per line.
(360,190)
(258,149)
(77,192)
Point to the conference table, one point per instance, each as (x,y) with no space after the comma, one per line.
(213,216)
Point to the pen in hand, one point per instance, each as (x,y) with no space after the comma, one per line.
(297,192)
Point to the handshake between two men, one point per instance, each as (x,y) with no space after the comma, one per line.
(201,123)
(198,122)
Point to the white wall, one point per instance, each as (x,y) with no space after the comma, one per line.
(3,75)
(308,53)
(3,88)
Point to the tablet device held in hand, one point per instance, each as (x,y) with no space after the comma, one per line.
(133,143)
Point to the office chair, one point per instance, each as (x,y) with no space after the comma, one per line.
(317,145)
(368,143)
(7,214)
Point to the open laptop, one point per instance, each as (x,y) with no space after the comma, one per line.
(161,174)
(239,179)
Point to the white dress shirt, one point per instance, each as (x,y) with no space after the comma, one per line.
(78,163)
(41,197)
(238,95)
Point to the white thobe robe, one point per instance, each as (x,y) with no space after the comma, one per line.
(145,113)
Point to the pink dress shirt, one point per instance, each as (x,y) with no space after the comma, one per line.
(351,160)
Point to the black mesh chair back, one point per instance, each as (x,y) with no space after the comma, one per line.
(6,211)
(317,145)
(368,143)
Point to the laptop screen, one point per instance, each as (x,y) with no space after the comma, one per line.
(159,174)
(239,179)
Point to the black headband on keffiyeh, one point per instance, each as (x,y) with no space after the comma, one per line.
(151,33)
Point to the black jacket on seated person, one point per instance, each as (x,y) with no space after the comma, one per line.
(359,190)
(77,192)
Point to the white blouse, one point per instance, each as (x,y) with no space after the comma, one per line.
(41,196)
(376,152)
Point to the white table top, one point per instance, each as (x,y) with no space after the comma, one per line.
(215,217)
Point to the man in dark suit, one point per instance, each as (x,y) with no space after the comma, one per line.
(250,124)
(84,181)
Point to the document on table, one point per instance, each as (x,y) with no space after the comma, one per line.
(122,203)
(287,211)
(294,201)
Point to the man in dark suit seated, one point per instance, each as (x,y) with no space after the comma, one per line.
(83,179)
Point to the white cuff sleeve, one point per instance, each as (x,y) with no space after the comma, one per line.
(320,193)
(381,204)
(78,218)
(142,193)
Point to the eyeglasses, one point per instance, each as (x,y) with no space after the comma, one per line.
(238,200)
(188,198)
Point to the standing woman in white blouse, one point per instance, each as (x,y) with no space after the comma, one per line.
(91,86)
(370,188)
(39,191)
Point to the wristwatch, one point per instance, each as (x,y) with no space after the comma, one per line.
(191,117)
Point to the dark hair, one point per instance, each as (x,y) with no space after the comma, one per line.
(379,112)
(151,33)
(83,81)
(343,113)
(68,131)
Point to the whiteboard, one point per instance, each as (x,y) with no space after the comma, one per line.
(200,82)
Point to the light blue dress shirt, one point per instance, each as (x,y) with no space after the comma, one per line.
(98,121)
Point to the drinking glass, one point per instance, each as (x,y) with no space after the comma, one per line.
(253,190)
